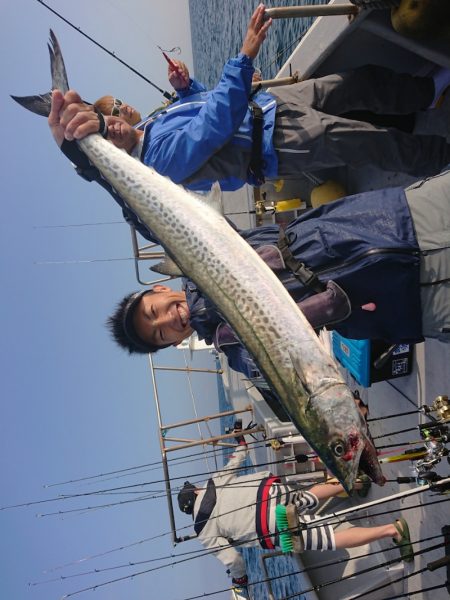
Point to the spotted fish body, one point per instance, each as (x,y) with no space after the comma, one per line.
(252,300)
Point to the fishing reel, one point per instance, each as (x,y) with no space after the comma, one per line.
(440,406)
(435,438)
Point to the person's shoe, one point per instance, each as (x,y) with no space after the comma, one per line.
(404,545)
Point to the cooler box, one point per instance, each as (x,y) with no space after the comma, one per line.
(358,356)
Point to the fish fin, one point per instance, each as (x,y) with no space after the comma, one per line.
(57,67)
(259,382)
(39,104)
(213,198)
(167,267)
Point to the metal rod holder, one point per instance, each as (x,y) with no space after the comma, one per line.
(317,10)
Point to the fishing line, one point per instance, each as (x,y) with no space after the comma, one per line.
(78,225)
(79,262)
(401,393)
(192,396)
(166,94)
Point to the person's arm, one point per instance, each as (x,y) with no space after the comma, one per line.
(181,81)
(217,120)
(229,556)
(235,461)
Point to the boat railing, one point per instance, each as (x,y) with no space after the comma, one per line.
(172,443)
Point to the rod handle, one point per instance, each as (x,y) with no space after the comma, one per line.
(406,480)
(317,10)
(438,564)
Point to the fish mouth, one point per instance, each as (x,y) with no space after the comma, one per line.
(369,463)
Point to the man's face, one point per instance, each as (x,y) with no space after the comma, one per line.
(162,318)
(121,134)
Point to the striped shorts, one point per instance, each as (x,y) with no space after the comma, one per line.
(314,538)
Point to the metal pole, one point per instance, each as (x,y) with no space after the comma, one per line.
(317,10)
(416,490)
(163,456)
(211,440)
(266,83)
(226,413)
(189,370)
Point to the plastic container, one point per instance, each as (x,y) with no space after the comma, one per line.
(360,357)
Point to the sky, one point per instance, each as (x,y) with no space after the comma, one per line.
(74,404)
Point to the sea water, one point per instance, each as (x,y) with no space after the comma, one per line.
(218,28)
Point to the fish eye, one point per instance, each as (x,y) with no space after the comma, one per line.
(338,448)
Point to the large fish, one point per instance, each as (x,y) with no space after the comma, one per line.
(250,297)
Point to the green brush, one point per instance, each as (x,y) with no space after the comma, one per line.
(286,543)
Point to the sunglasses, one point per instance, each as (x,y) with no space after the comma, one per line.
(115,111)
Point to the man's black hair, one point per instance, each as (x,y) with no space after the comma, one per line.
(121,326)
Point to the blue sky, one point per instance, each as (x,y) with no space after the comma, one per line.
(72,403)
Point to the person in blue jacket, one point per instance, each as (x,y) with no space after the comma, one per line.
(179,79)
(225,135)
(375,265)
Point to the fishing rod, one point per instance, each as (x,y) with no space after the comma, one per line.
(121,566)
(218,548)
(428,589)
(166,94)
(179,460)
(387,563)
(134,485)
(221,547)
(337,562)
(158,494)
(434,454)
(212,551)
(435,486)
(430,567)
(440,406)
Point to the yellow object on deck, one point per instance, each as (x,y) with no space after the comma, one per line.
(292,204)
(327,192)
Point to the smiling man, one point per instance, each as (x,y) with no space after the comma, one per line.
(156,318)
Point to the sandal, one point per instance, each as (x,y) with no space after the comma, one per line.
(404,545)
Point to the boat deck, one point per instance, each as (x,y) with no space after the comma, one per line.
(332,44)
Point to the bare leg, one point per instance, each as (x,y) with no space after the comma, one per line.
(323,491)
(359,536)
